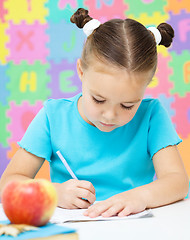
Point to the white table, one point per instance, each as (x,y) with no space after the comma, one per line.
(169,222)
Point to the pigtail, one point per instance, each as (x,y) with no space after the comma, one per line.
(80,17)
(167,34)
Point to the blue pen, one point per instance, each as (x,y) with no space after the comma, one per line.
(66,165)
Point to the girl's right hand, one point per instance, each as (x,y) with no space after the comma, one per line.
(75,194)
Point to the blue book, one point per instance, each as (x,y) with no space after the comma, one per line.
(49,231)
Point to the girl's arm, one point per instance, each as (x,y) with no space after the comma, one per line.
(172,184)
(71,194)
(22,166)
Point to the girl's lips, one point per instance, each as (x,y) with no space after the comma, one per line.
(107,125)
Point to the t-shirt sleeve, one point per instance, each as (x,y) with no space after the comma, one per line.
(161,130)
(36,139)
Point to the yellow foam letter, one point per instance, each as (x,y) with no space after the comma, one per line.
(28,79)
(153,83)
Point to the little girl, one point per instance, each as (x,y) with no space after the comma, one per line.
(112,138)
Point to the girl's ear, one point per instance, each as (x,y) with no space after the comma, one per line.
(79,69)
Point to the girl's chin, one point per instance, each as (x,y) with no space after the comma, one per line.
(105,128)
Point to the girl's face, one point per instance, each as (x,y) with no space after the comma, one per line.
(110,96)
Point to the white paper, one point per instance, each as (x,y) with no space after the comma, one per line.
(76,215)
(2,214)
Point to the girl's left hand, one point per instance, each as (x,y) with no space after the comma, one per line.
(122,204)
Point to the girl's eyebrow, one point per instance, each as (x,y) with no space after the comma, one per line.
(130,102)
(97,94)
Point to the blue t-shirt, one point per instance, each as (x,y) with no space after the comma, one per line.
(113,161)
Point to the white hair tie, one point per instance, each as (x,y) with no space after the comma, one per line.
(157,35)
(90,26)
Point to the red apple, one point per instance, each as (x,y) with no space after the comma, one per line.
(29,202)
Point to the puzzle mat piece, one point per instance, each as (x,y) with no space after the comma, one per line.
(3,159)
(62,9)
(27,42)
(3,11)
(181,25)
(66,41)
(3,126)
(44,171)
(184,150)
(163,50)
(64,80)
(28,10)
(4,52)
(148,20)
(20,118)
(182,117)
(160,82)
(175,6)
(104,10)
(28,82)
(13,147)
(181,73)
(145,6)
(4,93)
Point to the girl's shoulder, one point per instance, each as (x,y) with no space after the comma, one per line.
(152,107)
(61,103)
(154,111)
(151,101)
(151,104)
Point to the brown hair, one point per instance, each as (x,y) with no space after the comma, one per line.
(124,43)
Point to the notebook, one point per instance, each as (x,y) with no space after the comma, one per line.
(76,215)
(49,231)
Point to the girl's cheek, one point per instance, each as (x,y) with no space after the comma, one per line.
(90,109)
(93,112)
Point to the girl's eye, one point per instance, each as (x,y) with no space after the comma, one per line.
(102,101)
(98,101)
(127,108)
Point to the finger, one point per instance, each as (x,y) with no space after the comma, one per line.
(72,206)
(112,211)
(73,182)
(68,206)
(86,194)
(97,209)
(87,185)
(125,212)
(80,203)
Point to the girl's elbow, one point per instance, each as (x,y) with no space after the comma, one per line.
(185,180)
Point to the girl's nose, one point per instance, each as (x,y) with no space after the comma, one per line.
(109,115)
